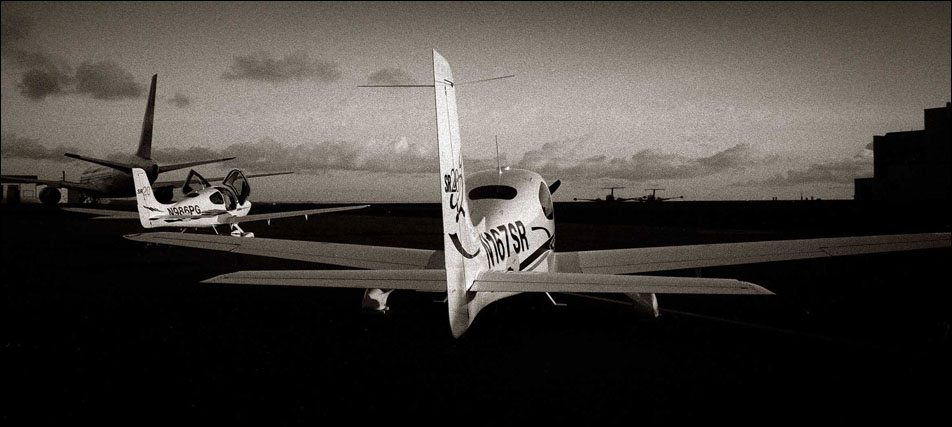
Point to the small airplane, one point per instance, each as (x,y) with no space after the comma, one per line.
(653,197)
(114,178)
(204,205)
(610,197)
(499,240)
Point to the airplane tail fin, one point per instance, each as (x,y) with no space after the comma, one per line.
(145,141)
(145,200)
(460,240)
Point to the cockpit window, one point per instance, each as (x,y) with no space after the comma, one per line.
(237,182)
(194,182)
(231,199)
(503,192)
(216,198)
(545,199)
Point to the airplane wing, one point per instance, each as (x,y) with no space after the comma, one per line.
(418,280)
(50,183)
(643,260)
(348,255)
(270,216)
(105,213)
(491,281)
(508,281)
(181,182)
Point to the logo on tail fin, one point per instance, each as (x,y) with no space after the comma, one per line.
(451,182)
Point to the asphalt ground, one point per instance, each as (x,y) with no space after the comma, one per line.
(100,328)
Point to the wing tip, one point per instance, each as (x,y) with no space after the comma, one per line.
(757,289)
(215,280)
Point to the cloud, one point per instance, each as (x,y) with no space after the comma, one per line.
(44,74)
(395,156)
(106,80)
(399,155)
(14,146)
(566,159)
(842,171)
(179,100)
(390,76)
(37,83)
(296,66)
(47,75)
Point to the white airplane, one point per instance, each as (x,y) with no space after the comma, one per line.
(114,178)
(498,241)
(204,205)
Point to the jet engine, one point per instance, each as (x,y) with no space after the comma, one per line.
(163,194)
(50,196)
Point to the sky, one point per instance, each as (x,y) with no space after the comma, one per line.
(712,101)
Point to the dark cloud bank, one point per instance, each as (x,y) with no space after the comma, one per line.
(43,75)
(12,145)
(296,66)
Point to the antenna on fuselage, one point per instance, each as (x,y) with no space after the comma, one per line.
(498,165)
(431,85)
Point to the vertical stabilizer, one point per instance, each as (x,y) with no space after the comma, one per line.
(145,200)
(145,141)
(460,242)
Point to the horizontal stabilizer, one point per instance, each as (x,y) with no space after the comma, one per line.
(502,281)
(644,260)
(276,215)
(348,255)
(167,168)
(108,163)
(418,280)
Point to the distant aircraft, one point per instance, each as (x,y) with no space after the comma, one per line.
(653,197)
(610,197)
(113,178)
(498,241)
(204,206)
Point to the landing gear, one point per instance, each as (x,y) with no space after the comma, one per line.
(375,301)
(644,304)
(85,199)
(238,232)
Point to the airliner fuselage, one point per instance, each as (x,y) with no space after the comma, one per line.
(111,182)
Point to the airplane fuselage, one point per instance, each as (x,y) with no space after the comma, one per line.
(206,209)
(517,233)
(513,229)
(111,182)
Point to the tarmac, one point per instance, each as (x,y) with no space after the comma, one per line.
(101,328)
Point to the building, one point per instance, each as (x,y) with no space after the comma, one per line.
(912,165)
(27,192)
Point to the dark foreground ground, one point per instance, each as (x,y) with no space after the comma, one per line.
(100,328)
